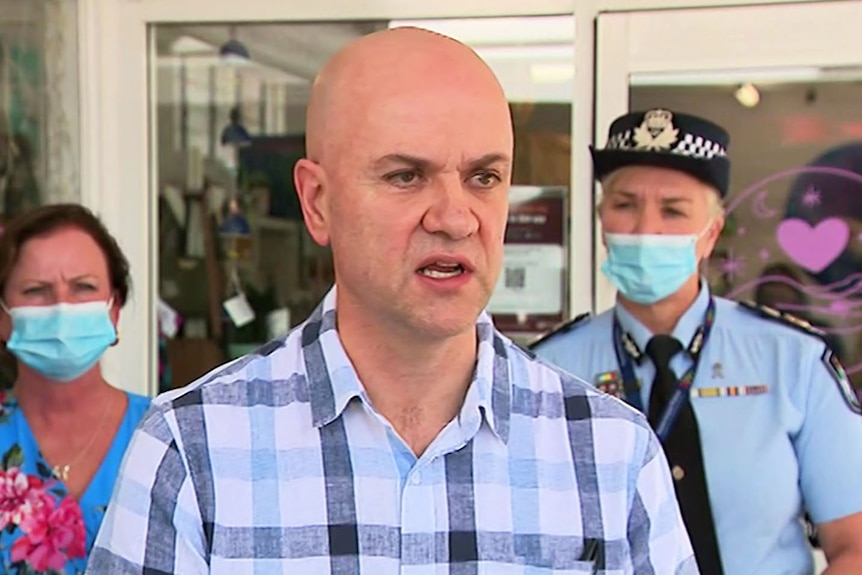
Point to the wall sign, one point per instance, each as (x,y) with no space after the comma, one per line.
(530,294)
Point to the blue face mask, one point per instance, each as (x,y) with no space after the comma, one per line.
(62,341)
(646,268)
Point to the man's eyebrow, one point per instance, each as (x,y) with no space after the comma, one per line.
(426,164)
(404,159)
(489,159)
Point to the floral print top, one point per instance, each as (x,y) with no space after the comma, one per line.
(43,530)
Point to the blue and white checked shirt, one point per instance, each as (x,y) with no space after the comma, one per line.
(277,463)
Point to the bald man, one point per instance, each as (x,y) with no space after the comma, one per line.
(395,431)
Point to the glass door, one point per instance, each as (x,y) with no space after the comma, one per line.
(229,264)
(785,81)
(786,84)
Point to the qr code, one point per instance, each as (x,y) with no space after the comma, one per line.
(516,278)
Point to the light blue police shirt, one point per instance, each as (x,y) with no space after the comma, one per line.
(787,439)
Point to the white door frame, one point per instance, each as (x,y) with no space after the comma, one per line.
(118,152)
(794,35)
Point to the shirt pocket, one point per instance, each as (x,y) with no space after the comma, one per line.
(552,554)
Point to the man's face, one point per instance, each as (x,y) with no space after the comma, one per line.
(650,200)
(417,201)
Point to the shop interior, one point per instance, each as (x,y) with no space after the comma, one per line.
(236,266)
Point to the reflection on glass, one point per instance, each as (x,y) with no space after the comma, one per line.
(229,130)
(38,111)
(793,238)
(38,104)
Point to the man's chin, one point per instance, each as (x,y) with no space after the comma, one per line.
(446,325)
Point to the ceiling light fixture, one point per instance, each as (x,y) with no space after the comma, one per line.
(233,48)
(747,95)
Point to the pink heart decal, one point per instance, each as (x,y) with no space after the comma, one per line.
(813,248)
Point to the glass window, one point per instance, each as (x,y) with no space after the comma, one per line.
(793,238)
(39,145)
(230,122)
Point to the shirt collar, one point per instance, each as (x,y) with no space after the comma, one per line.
(685,328)
(333,382)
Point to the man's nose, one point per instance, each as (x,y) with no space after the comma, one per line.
(451,210)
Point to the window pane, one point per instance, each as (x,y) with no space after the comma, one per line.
(39,147)
(793,238)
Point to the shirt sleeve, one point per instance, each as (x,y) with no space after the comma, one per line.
(829,442)
(657,536)
(152,523)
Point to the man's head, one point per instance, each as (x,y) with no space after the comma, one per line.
(663,177)
(409,154)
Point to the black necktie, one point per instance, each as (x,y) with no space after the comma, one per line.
(683,450)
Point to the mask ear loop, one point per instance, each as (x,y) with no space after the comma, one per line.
(706,229)
(110,305)
(5,308)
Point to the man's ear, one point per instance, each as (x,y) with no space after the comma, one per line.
(311,187)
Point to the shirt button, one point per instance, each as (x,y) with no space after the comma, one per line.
(677,472)
(416,479)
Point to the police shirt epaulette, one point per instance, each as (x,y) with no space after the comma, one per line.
(783,317)
(560,328)
(828,357)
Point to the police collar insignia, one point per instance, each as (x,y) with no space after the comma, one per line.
(632,348)
(696,343)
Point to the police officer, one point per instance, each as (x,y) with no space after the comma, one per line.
(755,413)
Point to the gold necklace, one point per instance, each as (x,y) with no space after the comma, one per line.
(62,471)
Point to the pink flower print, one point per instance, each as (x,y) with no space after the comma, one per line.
(70,518)
(52,537)
(20,497)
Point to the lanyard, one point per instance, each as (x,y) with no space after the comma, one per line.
(627,352)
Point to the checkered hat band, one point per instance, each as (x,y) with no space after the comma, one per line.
(690,145)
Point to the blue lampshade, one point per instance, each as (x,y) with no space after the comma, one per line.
(234,48)
(234,225)
(235,135)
